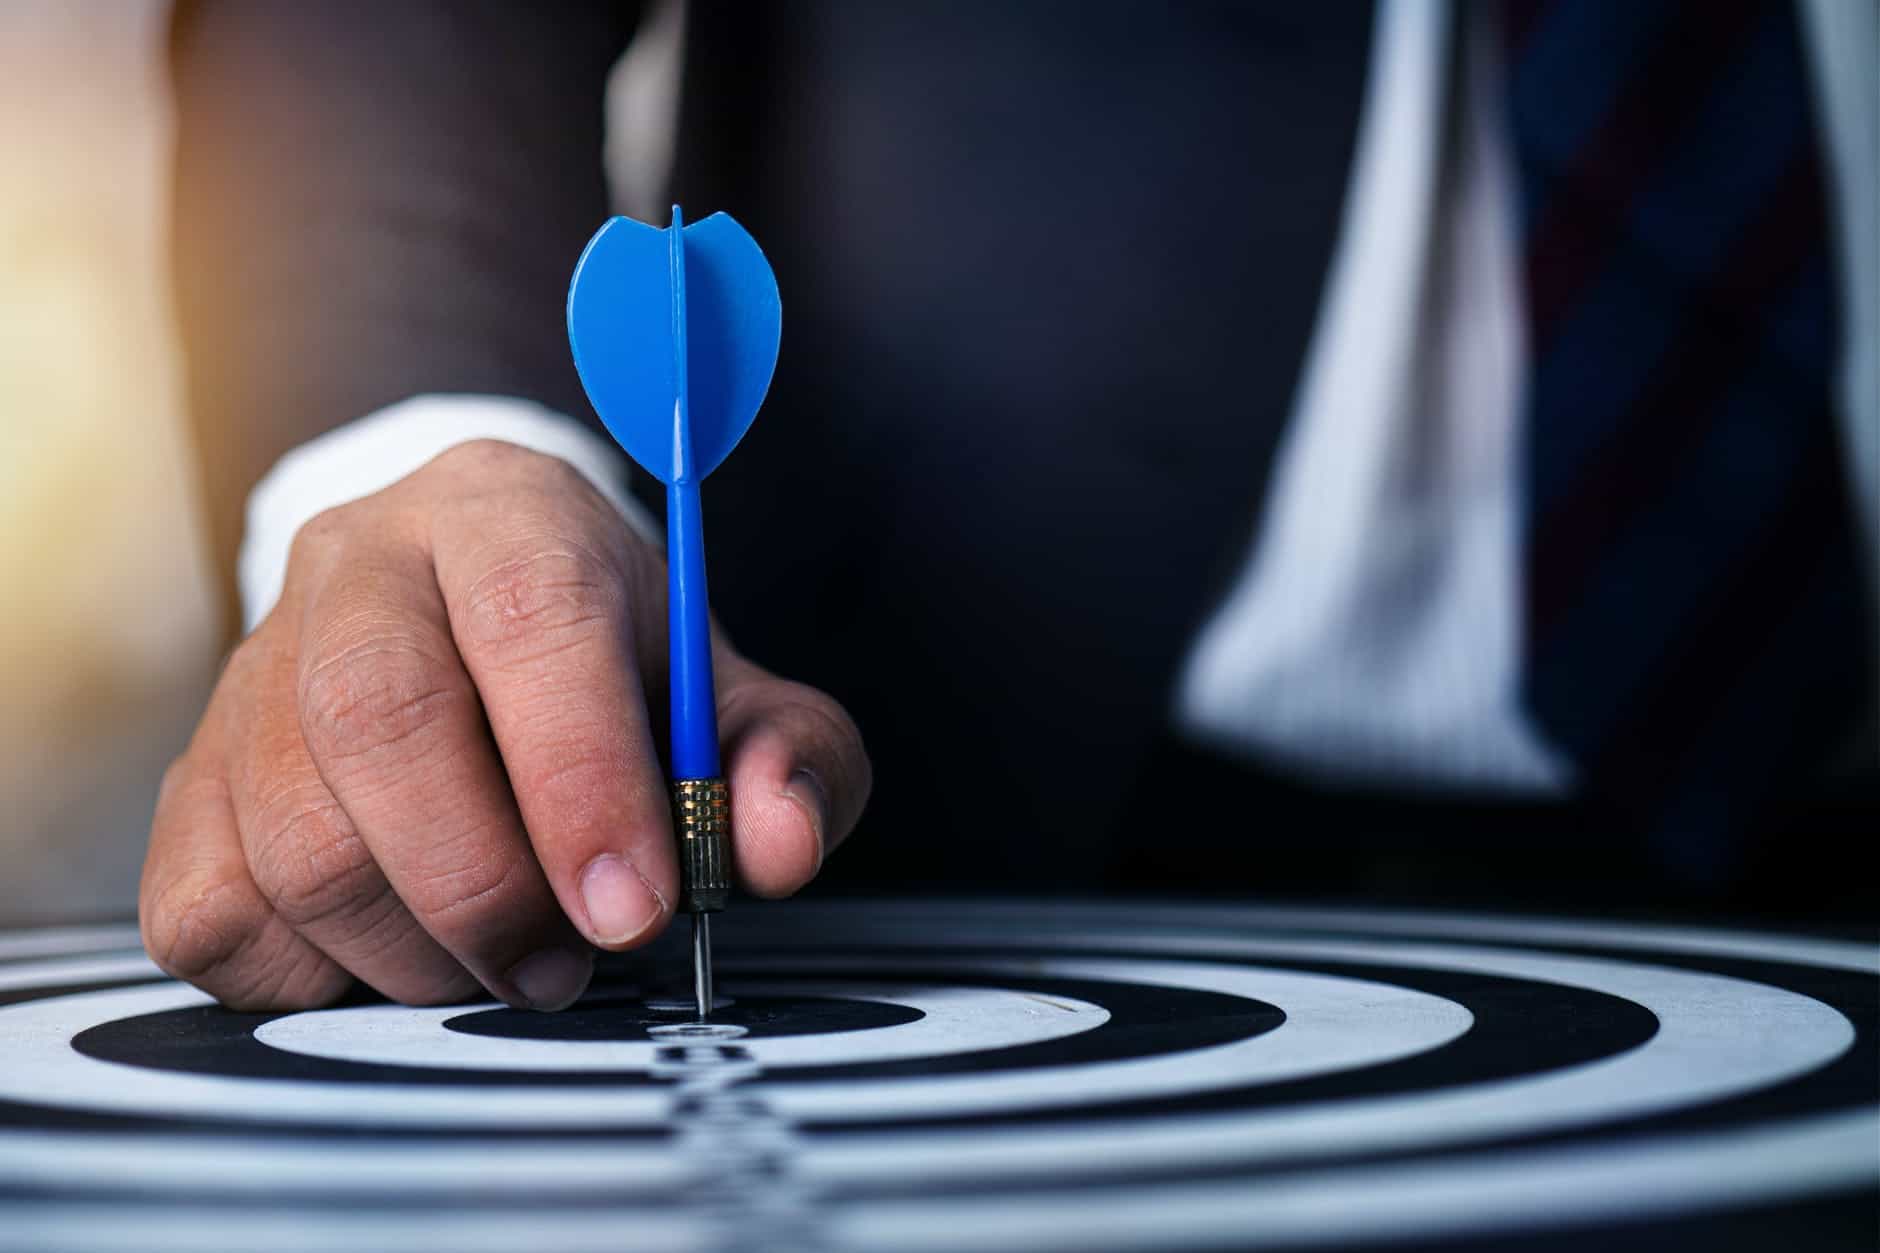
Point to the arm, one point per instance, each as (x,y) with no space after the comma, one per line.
(430,766)
(374,202)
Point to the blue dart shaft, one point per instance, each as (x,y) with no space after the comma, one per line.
(694,706)
(688,621)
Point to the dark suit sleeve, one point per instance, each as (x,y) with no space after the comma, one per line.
(373,201)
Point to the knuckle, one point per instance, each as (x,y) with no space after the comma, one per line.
(473,894)
(320,535)
(814,717)
(827,711)
(574,768)
(475,452)
(175,779)
(252,675)
(844,737)
(196,926)
(551,597)
(314,869)
(246,658)
(482,456)
(495,466)
(375,694)
(814,712)
(554,474)
(186,792)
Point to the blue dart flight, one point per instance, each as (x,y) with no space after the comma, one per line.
(675,336)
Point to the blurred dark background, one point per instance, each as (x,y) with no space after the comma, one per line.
(1006,607)
(108,626)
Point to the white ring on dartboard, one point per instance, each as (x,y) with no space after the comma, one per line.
(1665,1173)
(953,1020)
(1334,1023)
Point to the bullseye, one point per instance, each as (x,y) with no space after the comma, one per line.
(933,1020)
(1056,1076)
(601,1016)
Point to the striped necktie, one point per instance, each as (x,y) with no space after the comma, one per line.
(1695,630)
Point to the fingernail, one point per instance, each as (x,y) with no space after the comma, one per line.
(552,978)
(620,904)
(807,790)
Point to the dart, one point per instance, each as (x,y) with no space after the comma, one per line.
(675,337)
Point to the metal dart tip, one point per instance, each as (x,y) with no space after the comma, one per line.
(702,964)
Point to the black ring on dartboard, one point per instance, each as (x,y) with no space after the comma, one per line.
(1848,1082)
(1146,1020)
(215,1041)
(622,1016)
(1843,1219)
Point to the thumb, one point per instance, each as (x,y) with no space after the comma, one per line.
(797,771)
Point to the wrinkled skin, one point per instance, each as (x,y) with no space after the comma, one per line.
(432,768)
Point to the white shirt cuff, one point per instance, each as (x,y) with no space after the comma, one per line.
(377,450)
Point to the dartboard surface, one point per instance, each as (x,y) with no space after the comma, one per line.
(979,1076)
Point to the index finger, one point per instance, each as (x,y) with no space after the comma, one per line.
(541,605)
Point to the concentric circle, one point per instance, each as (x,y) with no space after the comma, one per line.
(935,1076)
(941,1020)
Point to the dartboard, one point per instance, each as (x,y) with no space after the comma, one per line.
(978,1076)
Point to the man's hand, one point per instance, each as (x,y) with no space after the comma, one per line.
(433,766)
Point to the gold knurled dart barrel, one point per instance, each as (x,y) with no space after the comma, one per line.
(701,818)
